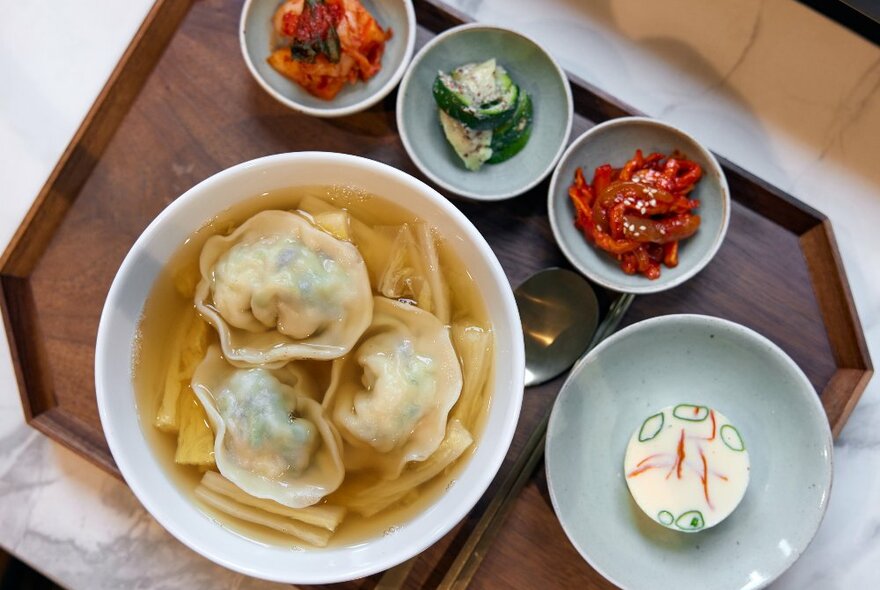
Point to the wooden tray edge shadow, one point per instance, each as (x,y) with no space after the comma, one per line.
(854,367)
(830,285)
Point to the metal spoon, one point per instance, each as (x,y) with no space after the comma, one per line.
(559,313)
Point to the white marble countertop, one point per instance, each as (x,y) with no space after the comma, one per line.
(776,88)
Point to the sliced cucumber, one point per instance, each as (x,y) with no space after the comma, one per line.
(511,137)
(480,95)
(473,147)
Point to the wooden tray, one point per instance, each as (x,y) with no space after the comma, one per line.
(181,106)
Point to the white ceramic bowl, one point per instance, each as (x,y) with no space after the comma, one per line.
(255,37)
(116,397)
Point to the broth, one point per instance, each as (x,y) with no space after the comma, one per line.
(170,305)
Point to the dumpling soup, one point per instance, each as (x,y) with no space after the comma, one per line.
(313,367)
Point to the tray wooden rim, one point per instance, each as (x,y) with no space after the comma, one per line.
(830,285)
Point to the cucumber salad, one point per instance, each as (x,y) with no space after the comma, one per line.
(485,116)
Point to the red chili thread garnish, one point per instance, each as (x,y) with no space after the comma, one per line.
(640,470)
(641,467)
(705,478)
(678,463)
(680,453)
(648,458)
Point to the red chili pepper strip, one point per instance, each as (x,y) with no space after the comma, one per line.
(654,178)
(653,158)
(580,183)
(629,264)
(680,453)
(615,221)
(705,479)
(612,245)
(602,178)
(685,182)
(584,215)
(636,163)
(683,205)
(670,254)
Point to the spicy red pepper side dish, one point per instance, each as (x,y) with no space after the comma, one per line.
(639,213)
(326,43)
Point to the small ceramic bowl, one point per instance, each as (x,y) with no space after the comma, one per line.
(615,142)
(255,37)
(699,360)
(532,68)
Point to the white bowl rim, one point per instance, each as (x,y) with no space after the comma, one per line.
(649,286)
(331,112)
(482,478)
(404,137)
(693,318)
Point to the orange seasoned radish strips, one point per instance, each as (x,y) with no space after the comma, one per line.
(640,212)
(326,44)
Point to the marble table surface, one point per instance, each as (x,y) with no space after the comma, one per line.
(771,85)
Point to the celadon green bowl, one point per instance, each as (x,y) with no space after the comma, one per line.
(255,37)
(530,66)
(615,142)
(698,360)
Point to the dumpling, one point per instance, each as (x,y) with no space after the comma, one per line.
(271,437)
(390,397)
(278,288)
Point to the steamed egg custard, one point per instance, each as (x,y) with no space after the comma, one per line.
(687,467)
(314,367)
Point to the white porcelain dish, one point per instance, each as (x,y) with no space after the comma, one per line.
(115,351)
